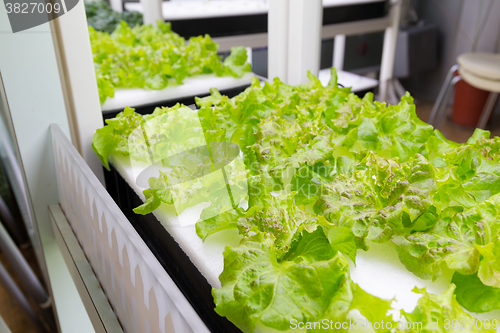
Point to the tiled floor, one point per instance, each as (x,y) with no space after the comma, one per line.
(450,130)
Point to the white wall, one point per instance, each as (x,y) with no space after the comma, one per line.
(456,35)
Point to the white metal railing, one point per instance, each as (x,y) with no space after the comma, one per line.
(142,294)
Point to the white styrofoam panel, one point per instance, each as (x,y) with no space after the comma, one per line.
(337,3)
(192,86)
(356,82)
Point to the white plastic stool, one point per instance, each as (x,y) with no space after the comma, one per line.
(480,70)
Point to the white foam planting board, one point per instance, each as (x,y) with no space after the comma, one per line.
(192,86)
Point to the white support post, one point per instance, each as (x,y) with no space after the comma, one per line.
(151,11)
(339,52)
(304,39)
(116,5)
(277,64)
(389,50)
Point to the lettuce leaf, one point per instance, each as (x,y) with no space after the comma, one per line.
(256,286)
(440,313)
(458,240)
(114,137)
(280,217)
(450,242)
(382,198)
(342,240)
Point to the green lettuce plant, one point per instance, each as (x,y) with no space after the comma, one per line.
(153,58)
(328,172)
